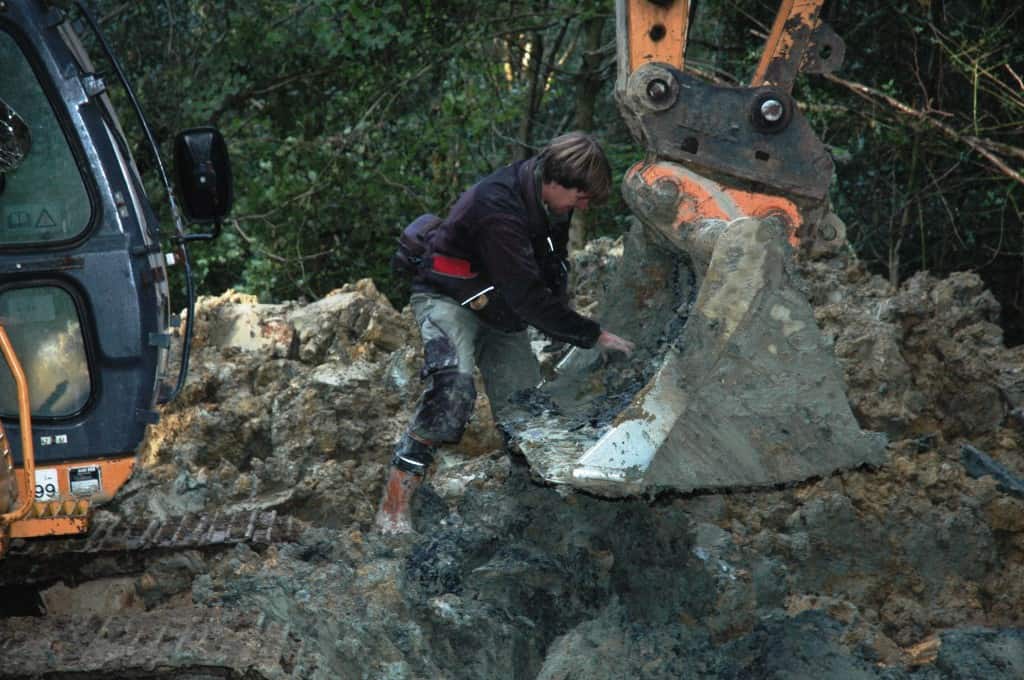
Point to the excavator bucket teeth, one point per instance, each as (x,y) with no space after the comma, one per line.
(750,396)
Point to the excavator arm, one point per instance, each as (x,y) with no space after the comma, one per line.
(747,393)
(753,140)
(656,32)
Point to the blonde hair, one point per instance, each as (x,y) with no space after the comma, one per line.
(576,161)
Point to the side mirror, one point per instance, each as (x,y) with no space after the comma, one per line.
(15,138)
(202,173)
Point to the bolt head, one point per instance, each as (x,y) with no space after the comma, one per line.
(772,110)
(658,90)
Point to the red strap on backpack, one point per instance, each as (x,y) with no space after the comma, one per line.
(452,266)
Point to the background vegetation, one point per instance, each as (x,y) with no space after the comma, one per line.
(347,119)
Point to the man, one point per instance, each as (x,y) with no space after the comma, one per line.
(496,264)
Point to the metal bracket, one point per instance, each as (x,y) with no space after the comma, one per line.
(151,249)
(825,52)
(160,340)
(93,84)
(724,131)
(154,275)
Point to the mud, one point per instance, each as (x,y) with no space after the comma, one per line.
(648,300)
(911,570)
(732,386)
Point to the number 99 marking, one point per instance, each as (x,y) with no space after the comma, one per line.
(47,487)
(45,491)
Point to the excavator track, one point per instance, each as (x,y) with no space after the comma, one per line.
(133,542)
(191,643)
(181,641)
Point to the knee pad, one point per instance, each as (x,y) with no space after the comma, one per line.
(439,354)
(446,406)
(412,456)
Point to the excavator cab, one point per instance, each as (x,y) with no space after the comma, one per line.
(733,385)
(84,293)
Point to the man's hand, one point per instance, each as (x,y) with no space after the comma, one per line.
(610,341)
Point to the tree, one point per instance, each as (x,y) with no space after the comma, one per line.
(346,120)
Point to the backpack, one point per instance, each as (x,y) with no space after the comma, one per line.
(413,245)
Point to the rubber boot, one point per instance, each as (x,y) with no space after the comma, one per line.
(394,516)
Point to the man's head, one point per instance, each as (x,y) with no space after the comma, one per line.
(575,172)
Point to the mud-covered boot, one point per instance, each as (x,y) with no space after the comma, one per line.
(410,463)
(394,515)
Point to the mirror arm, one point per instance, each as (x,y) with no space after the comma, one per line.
(137,108)
(203,236)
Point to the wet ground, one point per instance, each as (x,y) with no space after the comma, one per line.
(909,570)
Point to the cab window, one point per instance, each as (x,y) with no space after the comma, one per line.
(44,200)
(43,325)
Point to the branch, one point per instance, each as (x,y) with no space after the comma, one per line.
(1020,83)
(236,98)
(251,242)
(115,12)
(389,93)
(999,147)
(979,146)
(424,204)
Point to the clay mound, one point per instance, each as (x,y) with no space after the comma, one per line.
(911,570)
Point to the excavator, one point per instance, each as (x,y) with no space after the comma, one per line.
(85,317)
(732,386)
(740,389)
(737,386)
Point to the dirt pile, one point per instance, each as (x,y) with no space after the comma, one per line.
(288,407)
(912,570)
(925,360)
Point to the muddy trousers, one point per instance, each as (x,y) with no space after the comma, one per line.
(455,342)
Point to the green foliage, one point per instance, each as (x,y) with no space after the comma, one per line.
(346,120)
(915,180)
(920,191)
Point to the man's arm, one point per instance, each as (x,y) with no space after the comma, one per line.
(509,259)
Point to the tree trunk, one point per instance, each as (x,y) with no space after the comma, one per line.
(588,86)
(534,71)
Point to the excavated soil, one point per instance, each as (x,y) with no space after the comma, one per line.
(914,569)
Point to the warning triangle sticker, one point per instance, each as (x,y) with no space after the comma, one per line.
(45,221)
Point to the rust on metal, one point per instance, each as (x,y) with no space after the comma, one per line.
(25,495)
(49,526)
(53,518)
(8,483)
(68,513)
(8,488)
(784,50)
(657,33)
